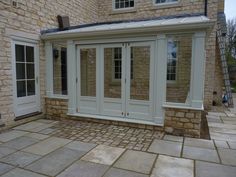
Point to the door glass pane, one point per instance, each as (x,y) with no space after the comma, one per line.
(19,52)
(20,70)
(29,54)
(30,87)
(140,73)
(21,89)
(30,71)
(88,72)
(112,72)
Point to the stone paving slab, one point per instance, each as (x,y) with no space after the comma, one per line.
(80,146)
(20,143)
(205,169)
(137,161)
(31,126)
(47,131)
(174,138)
(114,172)
(46,146)
(37,136)
(221,144)
(173,167)
(103,154)
(5,168)
(4,151)
(10,135)
(228,156)
(209,144)
(46,121)
(20,159)
(84,169)
(232,145)
(17,172)
(55,162)
(216,114)
(200,154)
(166,147)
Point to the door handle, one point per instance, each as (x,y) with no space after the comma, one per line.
(122,113)
(127,114)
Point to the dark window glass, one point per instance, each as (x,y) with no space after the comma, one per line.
(20,70)
(30,71)
(19,51)
(21,89)
(29,54)
(30,87)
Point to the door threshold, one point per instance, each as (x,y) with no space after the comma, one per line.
(110,118)
(27,116)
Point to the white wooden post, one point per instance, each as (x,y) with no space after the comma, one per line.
(71,68)
(49,68)
(160,75)
(198,70)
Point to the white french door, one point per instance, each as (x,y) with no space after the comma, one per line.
(25,78)
(116,80)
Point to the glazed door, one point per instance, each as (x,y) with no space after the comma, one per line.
(113,80)
(26,87)
(139,80)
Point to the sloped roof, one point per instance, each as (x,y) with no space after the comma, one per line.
(134,26)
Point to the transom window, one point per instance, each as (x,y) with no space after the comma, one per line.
(165,1)
(122,4)
(172,57)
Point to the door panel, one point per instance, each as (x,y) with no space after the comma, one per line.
(139,76)
(26,91)
(88,79)
(113,80)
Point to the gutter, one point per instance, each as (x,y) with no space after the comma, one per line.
(206,6)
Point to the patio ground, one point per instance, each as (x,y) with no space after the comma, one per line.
(79,149)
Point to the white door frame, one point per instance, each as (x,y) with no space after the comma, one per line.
(31,108)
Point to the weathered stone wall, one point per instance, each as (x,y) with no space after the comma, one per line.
(29,18)
(183,122)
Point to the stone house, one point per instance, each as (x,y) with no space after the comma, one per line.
(145,63)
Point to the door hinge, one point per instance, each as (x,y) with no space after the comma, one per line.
(76,80)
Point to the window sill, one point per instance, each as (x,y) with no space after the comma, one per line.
(122,11)
(62,97)
(169,5)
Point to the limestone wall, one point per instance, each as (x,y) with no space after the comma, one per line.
(28,19)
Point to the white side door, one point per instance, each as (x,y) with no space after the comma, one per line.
(25,59)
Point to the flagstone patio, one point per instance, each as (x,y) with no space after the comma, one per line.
(71,148)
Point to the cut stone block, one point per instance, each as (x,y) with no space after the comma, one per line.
(55,162)
(232,145)
(173,167)
(200,154)
(7,136)
(20,143)
(103,154)
(84,169)
(80,146)
(221,144)
(37,136)
(4,151)
(136,161)
(228,156)
(5,168)
(17,172)
(174,138)
(205,169)
(46,146)
(114,172)
(166,147)
(20,159)
(209,144)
